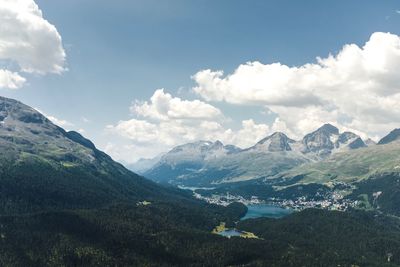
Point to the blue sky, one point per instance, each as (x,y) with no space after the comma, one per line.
(121,51)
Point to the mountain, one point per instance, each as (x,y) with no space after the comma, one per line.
(196,153)
(273,143)
(184,159)
(321,141)
(368,177)
(208,164)
(327,139)
(349,140)
(365,177)
(352,165)
(245,166)
(143,164)
(391,137)
(44,167)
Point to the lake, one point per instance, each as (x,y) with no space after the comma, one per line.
(265,210)
(256,211)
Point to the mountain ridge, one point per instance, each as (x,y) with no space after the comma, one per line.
(40,161)
(269,156)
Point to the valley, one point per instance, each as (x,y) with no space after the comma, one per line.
(199,133)
(326,170)
(66,203)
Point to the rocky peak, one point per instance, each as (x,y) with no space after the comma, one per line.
(391,137)
(25,131)
(274,143)
(216,145)
(197,152)
(328,129)
(13,110)
(25,123)
(349,140)
(322,140)
(327,138)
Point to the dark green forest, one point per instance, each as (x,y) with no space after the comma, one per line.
(160,234)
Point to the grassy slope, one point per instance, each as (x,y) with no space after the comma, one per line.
(351,166)
(243,166)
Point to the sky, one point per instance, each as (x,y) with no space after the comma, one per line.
(140,77)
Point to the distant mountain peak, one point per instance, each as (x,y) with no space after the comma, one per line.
(275,142)
(328,139)
(328,128)
(391,137)
(218,143)
(349,139)
(275,136)
(197,152)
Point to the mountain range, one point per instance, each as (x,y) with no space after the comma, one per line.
(206,163)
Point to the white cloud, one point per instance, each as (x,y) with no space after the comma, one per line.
(249,134)
(150,139)
(29,41)
(167,121)
(11,80)
(138,130)
(359,88)
(162,106)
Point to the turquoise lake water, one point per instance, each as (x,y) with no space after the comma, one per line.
(264,210)
(256,211)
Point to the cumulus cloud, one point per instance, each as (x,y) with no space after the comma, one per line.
(166,121)
(358,88)
(138,130)
(28,41)
(11,80)
(248,134)
(150,139)
(162,106)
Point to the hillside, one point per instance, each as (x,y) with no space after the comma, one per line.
(351,166)
(43,167)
